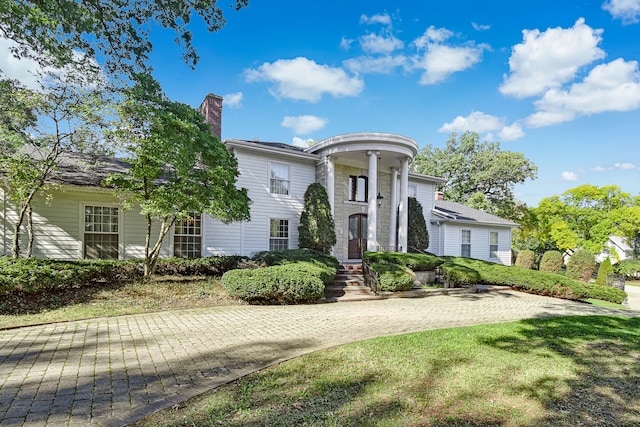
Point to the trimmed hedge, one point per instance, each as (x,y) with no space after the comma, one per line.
(39,275)
(551,262)
(581,265)
(392,277)
(604,269)
(457,275)
(526,259)
(289,277)
(211,266)
(539,282)
(415,262)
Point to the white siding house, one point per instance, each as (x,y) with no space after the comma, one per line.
(366,176)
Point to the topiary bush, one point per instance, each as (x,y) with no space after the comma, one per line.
(581,265)
(604,269)
(278,284)
(269,258)
(417,233)
(526,259)
(317,229)
(392,277)
(551,262)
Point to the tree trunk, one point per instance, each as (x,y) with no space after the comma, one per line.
(15,252)
(30,231)
(155,252)
(147,242)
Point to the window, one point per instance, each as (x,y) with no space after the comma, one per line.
(187,241)
(279,179)
(465,248)
(101,232)
(493,244)
(358,188)
(413,191)
(278,234)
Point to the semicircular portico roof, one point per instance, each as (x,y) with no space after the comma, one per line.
(366,141)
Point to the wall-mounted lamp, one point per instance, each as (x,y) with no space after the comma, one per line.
(379,198)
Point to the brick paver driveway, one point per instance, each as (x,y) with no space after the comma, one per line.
(113,371)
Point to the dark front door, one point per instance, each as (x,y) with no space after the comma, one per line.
(357,235)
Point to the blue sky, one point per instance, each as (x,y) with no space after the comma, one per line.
(556,80)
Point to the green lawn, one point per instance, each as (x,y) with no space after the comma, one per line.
(546,372)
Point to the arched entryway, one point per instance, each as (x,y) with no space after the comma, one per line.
(357,235)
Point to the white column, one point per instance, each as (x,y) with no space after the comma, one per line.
(372,213)
(403,210)
(331,182)
(394,208)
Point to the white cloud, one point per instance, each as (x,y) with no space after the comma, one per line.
(480,122)
(441,60)
(599,169)
(373,43)
(624,166)
(345,43)
(304,79)
(378,64)
(569,176)
(304,124)
(480,27)
(300,142)
(380,18)
(24,70)
(614,86)
(233,100)
(626,10)
(546,60)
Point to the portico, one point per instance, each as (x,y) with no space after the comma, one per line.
(367,180)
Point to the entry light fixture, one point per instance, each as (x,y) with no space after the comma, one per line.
(379,198)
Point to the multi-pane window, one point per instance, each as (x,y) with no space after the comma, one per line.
(413,191)
(465,247)
(101,232)
(278,234)
(493,244)
(187,240)
(279,179)
(358,188)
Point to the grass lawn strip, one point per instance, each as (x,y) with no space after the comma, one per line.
(543,372)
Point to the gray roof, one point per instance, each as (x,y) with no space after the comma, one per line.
(280,145)
(457,212)
(86,170)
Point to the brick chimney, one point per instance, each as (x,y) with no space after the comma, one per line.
(439,195)
(211,109)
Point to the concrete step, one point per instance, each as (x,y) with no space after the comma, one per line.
(335,289)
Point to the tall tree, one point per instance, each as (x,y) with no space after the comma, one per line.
(417,233)
(317,230)
(178,167)
(36,129)
(585,216)
(61,32)
(477,172)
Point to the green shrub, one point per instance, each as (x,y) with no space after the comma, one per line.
(317,230)
(526,259)
(278,284)
(269,258)
(551,262)
(604,269)
(211,266)
(39,275)
(392,277)
(581,265)
(417,234)
(415,262)
(456,275)
(629,268)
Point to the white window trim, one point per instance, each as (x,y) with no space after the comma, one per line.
(269,231)
(290,167)
(81,231)
(497,244)
(202,234)
(462,242)
(412,185)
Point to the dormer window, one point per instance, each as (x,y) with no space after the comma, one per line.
(358,188)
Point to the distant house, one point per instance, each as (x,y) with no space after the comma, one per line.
(367,179)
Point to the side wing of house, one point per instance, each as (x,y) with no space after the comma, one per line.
(276,181)
(487,243)
(80,222)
